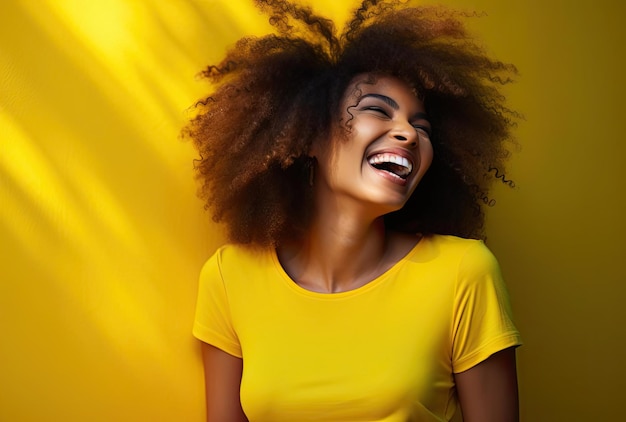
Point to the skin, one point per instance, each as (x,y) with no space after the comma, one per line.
(222,376)
(348,246)
(488,391)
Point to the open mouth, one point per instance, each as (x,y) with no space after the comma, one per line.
(396,165)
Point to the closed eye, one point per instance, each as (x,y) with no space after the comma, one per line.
(423,128)
(377,109)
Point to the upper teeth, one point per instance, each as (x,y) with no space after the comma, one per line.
(391,158)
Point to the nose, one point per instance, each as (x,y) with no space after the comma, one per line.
(405,132)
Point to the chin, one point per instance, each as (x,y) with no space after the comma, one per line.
(388,206)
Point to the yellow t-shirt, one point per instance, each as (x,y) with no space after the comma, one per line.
(386,351)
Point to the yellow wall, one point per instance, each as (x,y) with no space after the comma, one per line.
(102,237)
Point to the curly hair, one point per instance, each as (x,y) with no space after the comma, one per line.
(277,95)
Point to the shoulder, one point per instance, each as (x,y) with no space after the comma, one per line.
(456,249)
(234,261)
(458,257)
(473,268)
(234,254)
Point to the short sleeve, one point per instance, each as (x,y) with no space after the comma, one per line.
(482,317)
(213,321)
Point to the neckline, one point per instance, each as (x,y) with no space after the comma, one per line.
(291,284)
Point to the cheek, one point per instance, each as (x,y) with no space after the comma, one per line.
(426,156)
(366,128)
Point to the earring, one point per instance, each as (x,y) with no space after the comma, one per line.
(311,171)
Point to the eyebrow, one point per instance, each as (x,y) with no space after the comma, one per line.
(387,100)
(393,104)
(421,116)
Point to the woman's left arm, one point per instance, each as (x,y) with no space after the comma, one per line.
(488,391)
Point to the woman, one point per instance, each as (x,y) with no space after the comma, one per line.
(350,173)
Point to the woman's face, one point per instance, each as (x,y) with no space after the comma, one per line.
(387,150)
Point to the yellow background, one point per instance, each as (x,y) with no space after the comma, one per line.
(102,237)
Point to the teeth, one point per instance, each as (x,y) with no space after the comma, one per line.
(391,158)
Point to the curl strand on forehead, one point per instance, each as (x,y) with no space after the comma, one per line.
(275,96)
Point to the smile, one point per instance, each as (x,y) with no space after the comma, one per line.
(393,164)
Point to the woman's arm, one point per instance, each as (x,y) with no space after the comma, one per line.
(222,374)
(488,391)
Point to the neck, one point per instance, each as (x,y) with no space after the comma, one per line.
(341,252)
